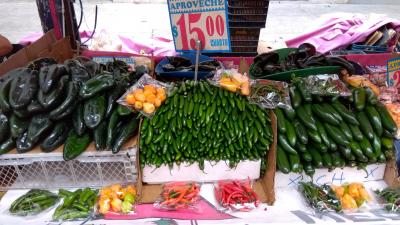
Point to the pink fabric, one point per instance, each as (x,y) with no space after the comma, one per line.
(208,212)
(337,32)
(370,59)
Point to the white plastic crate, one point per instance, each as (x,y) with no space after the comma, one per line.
(49,170)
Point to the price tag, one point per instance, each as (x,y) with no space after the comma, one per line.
(393,72)
(203,20)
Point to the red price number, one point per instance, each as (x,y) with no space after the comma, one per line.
(213,26)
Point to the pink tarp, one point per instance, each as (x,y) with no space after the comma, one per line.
(338,32)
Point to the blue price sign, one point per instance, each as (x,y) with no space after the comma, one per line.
(203,20)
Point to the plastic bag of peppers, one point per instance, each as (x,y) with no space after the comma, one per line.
(236,195)
(178,196)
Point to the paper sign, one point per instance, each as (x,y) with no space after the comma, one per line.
(393,72)
(203,20)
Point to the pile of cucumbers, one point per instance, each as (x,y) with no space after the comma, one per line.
(33,202)
(50,104)
(330,132)
(202,122)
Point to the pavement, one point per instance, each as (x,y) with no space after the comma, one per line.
(286,19)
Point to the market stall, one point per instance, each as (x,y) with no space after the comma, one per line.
(288,136)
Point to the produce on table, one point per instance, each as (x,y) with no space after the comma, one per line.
(352,195)
(361,81)
(33,202)
(178,63)
(148,98)
(178,195)
(391,196)
(202,122)
(117,199)
(51,104)
(236,195)
(332,131)
(76,205)
(321,198)
(269,94)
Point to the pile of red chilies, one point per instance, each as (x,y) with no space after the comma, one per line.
(236,195)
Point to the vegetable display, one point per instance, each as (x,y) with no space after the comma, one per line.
(332,131)
(321,198)
(236,195)
(33,202)
(117,199)
(202,122)
(391,196)
(76,205)
(178,195)
(54,104)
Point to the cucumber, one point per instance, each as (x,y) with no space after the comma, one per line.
(313,135)
(327,160)
(290,133)
(306,156)
(370,95)
(294,161)
(306,118)
(367,148)
(357,134)
(282,161)
(328,108)
(320,147)
(346,152)
(386,119)
(324,115)
(387,134)
(374,119)
(316,158)
(280,120)
(301,132)
(289,113)
(309,169)
(285,144)
(300,147)
(381,158)
(359,99)
(387,143)
(376,146)
(345,113)
(346,131)
(336,134)
(295,97)
(356,150)
(303,90)
(365,125)
(332,145)
(322,133)
(335,156)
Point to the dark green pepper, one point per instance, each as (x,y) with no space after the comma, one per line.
(24,144)
(4,127)
(23,88)
(54,97)
(38,126)
(56,137)
(112,96)
(123,110)
(96,85)
(17,126)
(127,131)
(49,75)
(22,113)
(100,136)
(94,111)
(68,103)
(4,93)
(78,121)
(75,145)
(7,145)
(71,198)
(111,129)
(77,71)
(35,107)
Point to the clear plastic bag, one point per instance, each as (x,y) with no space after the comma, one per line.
(270,94)
(146,95)
(320,198)
(33,202)
(77,205)
(232,80)
(179,196)
(326,85)
(117,199)
(352,196)
(390,198)
(236,195)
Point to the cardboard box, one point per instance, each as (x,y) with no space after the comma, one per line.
(391,175)
(46,46)
(264,187)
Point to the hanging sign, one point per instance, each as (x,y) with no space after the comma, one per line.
(393,72)
(203,20)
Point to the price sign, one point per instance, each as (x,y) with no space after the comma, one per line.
(203,20)
(393,72)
